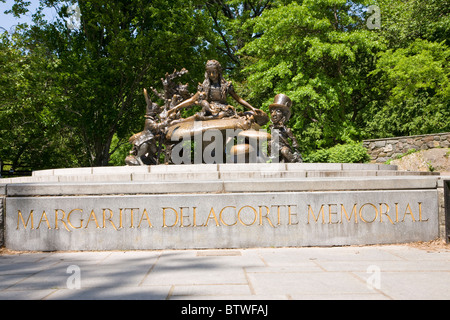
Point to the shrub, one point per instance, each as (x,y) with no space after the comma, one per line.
(341,153)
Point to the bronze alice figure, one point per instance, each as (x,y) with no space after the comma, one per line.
(212,96)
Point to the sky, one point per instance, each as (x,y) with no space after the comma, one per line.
(8,21)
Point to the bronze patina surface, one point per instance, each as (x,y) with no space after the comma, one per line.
(192,128)
(164,125)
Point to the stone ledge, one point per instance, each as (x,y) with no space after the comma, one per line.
(331,184)
(408,137)
(226,167)
(115,188)
(224,186)
(211,176)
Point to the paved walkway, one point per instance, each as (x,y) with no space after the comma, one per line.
(370,272)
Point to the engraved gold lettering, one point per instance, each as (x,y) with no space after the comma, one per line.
(385,213)
(183,216)
(230,215)
(352,212)
(108,219)
(420,212)
(70,222)
(194,209)
(255,214)
(120,218)
(410,213)
(278,213)
(310,211)
(20,218)
(44,214)
(265,216)
(94,217)
(291,214)
(332,212)
(132,216)
(221,216)
(212,216)
(61,219)
(164,217)
(361,211)
(396,212)
(144,213)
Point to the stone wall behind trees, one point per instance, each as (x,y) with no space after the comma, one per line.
(381,150)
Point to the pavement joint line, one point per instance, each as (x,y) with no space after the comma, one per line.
(192,284)
(395,255)
(21,280)
(104,258)
(172,289)
(44,257)
(374,289)
(263,260)
(170,293)
(51,293)
(319,265)
(249,283)
(30,275)
(151,269)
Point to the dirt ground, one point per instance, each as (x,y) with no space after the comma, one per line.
(437,160)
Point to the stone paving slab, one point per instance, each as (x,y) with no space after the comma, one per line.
(115,293)
(310,283)
(418,285)
(382,272)
(342,296)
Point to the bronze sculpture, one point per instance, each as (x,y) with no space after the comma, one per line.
(280,112)
(145,149)
(149,143)
(212,97)
(164,126)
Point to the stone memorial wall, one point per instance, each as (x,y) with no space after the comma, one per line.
(220,206)
(381,150)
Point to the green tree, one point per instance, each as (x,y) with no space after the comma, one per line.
(232,25)
(71,95)
(119,48)
(404,21)
(412,76)
(319,53)
(30,134)
(415,82)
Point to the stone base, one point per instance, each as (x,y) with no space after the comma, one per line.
(219,206)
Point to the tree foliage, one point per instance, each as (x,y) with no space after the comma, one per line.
(317,53)
(119,48)
(72,95)
(414,71)
(30,132)
(416,83)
